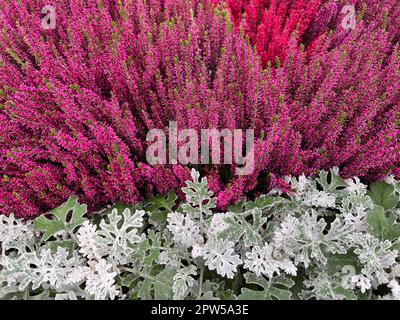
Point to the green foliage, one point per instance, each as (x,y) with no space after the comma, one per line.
(264,203)
(277,288)
(339,262)
(66,217)
(383,194)
(148,250)
(160,206)
(159,286)
(245,226)
(198,196)
(383,225)
(331,182)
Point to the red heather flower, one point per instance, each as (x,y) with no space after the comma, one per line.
(271,23)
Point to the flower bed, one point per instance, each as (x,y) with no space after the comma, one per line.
(92,207)
(77,101)
(328,239)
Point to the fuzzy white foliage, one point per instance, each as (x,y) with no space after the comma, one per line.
(113,239)
(390,179)
(362,282)
(354,186)
(354,209)
(220,256)
(15,234)
(262,262)
(88,241)
(376,256)
(185,230)
(117,236)
(309,195)
(42,268)
(317,232)
(395,287)
(319,199)
(323,286)
(101,283)
(218,224)
(304,238)
(183,281)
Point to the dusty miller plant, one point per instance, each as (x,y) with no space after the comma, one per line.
(328,239)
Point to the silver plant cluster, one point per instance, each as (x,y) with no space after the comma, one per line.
(327,239)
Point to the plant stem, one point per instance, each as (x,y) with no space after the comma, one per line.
(370,294)
(200,281)
(237,282)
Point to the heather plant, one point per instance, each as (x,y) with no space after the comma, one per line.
(363,108)
(77,101)
(328,239)
(271,23)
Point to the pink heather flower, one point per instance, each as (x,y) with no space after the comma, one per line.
(77,102)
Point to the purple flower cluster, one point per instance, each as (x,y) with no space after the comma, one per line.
(77,102)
